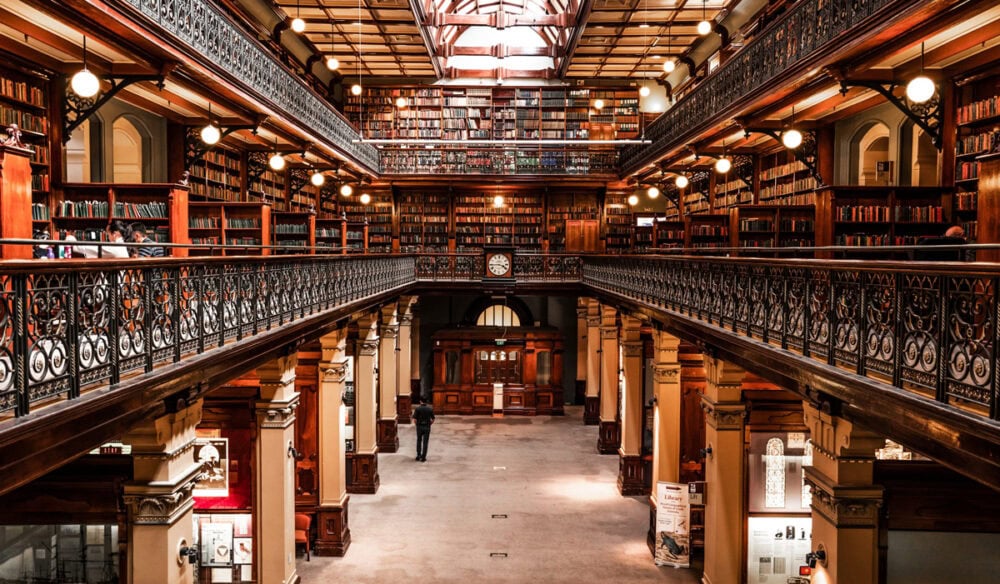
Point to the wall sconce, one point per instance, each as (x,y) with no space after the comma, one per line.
(706,452)
(818,556)
(292,453)
(186,552)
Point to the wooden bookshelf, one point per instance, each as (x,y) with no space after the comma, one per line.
(265,185)
(229,224)
(707,231)
(423,222)
(519,222)
(618,223)
(668,233)
(977,116)
(369,227)
(24,101)
(755,228)
(785,181)
(569,217)
(86,209)
(293,231)
(874,216)
(217,176)
(330,233)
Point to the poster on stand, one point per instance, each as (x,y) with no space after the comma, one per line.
(212,454)
(673,525)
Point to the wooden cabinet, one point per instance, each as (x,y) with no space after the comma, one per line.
(468,361)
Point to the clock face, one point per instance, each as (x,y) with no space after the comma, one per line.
(498,264)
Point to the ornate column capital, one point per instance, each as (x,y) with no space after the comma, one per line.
(666,373)
(368,347)
(335,372)
(157,505)
(632,349)
(724,416)
(276,414)
(406,319)
(390,332)
(843,505)
(838,438)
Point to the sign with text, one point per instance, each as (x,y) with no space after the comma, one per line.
(673,525)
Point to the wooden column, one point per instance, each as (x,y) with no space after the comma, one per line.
(845,503)
(159,501)
(988,230)
(592,401)
(404,400)
(178,210)
(388,434)
(609,430)
(630,481)
(415,357)
(274,489)
(15,200)
(666,419)
(364,463)
(725,473)
(580,393)
(333,533)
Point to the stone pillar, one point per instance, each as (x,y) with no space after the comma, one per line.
(592,401)
(630,481)
(274,497)
(666,419)
(609,432)
(364,462)
(415,363)
(388,435)
(158,499)
(404,401)
(845,503)
(332,528)
(725,472)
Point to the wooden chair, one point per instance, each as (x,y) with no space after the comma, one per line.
(302,523)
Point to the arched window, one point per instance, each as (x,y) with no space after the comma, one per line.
(127,155)
(872,150)
(498,315)
(774,474)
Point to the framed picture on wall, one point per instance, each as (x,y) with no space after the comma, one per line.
(217,544)
(242,550)
(212,454)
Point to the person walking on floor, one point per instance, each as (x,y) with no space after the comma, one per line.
(424,417)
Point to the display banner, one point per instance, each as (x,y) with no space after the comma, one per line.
(673,525)
(776,548)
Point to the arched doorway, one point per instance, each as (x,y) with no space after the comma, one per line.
(873,164)
(127,152)
(925,160)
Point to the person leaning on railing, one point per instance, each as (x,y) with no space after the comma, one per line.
(955,235)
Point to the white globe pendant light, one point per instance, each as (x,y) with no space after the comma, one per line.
(84,83)
(365,198)
(317,179)
(633,200)
(355,89)
(791,138)
(723,165)
(920,89)
(681,182)
(346,190)
(653,192)
(332,63)
(276,162)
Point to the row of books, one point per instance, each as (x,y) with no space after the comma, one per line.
(919,214)
(204,222)
(756,225)
(152,210)
(291,228)
(709,230)
(967,201)
(858,213)
(243,222)
(22,91)
(39,212)
(976,143)
(984,108)
(82,209)
(789,225)
(24,120)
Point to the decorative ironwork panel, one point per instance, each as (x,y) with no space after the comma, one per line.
(95,335)
(9,325)
(806,29)
(205,28)
(922,321)
(819,303)
(880,312)
(49,343)
(971,322)
(131,320)
(754,308)
(847,318)
(776,305)
(163,304)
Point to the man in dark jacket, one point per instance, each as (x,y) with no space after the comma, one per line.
(139,235)
(424,417)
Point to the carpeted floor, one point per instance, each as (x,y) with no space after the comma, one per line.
(434,521)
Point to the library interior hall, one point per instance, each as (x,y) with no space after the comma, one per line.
(499,291)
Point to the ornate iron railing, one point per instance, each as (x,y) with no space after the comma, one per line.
(69,326)
(471,267)
(927,328)
(805,30)
(203,27)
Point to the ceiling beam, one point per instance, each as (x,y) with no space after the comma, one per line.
(585,10)
(499,20)
(500,51)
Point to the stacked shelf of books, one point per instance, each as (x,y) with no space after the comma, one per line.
(796,226)
(626,105)
(755,227)
(377,216)
(24,101)
(786,183)
(669,233)
(329,232)
(269,189)
(423,222)
(219,223)
(965,208)
(518,222)
(873,216)
(294,231)
(216,176)
(707,231)
(558,215)
(976,119)
(618,219)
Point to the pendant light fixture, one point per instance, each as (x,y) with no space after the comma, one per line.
(210,134)
(791,137)
(704,27)
(633,200)
(365,198)
(921,88)
(669,65)
(401,102)
(598,104)
(653,192)
(498,201)
(317,179)
(356,88)
(723,164)
(298,25)
(346,190)
(332,63)
(84,83)
(681,181)
(644,91)
(277,161)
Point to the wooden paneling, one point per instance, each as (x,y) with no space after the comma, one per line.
(15,201)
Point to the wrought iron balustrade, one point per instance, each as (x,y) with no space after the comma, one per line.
(807,29)
(202,26)
(71,325)
(929,328)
